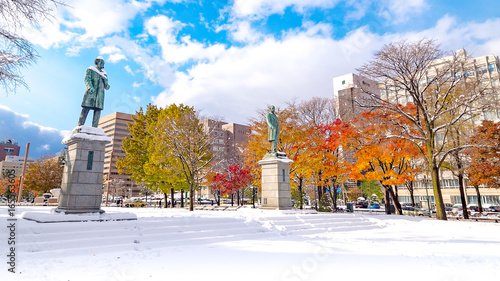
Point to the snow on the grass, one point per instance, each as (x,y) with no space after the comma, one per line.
(250,244)
(52,216)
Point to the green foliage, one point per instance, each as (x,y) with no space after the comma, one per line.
(372,187)
(325,204)
(146,158)
(296,196)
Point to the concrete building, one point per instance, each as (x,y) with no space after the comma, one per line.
(8,147)
(349,96)
(15,163)
(115,127)
(227,142)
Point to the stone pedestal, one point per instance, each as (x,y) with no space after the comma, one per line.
(83,172)
(276,193)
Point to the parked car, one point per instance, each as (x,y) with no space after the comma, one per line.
(374,206)
(361,204)
(414,211)
(473,207)
(494,208)
(457,208)
(133,203)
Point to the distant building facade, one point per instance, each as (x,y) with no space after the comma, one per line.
(15,163)
(8,147)
(348,93)
(115,126)
(228,141)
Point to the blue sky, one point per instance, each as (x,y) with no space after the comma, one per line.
(226,58)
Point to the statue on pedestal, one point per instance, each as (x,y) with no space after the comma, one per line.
(96,81)
(274,129)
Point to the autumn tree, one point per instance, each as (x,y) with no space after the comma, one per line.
(310,116)
(236,179)
(44,174)
(327,159)
(484,168)
(387,160)
(442,93)
(16,51)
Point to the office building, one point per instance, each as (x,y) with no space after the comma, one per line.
(115,126)
(8,147)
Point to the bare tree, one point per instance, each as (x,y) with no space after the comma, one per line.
(17,52)
(442,89)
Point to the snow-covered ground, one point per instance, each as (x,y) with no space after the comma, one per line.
(250,244)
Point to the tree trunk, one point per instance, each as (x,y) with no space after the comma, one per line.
(479,199)
(182,198)
(438,197)
(395,200)
(165,196)
(461,187)
(172,200)
(412,198)
(237,197)
(218,197)
(191,197)
(387,201)
(334,198)
(301,198)
(232,199)
(320,194)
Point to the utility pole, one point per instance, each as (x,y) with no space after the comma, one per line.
(21,181)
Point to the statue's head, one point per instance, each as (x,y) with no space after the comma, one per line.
(99,62)
(271,108)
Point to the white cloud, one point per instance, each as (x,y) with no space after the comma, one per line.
(398,11)
(271,72)
(6,108)
(18,127)
(263,8)
(101,18)
(242,31)
(165,30)
(128,70)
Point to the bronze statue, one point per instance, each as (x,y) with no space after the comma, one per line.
(274,129)
(96,80)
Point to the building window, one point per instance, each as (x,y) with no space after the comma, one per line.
(481,70)
(492,67)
